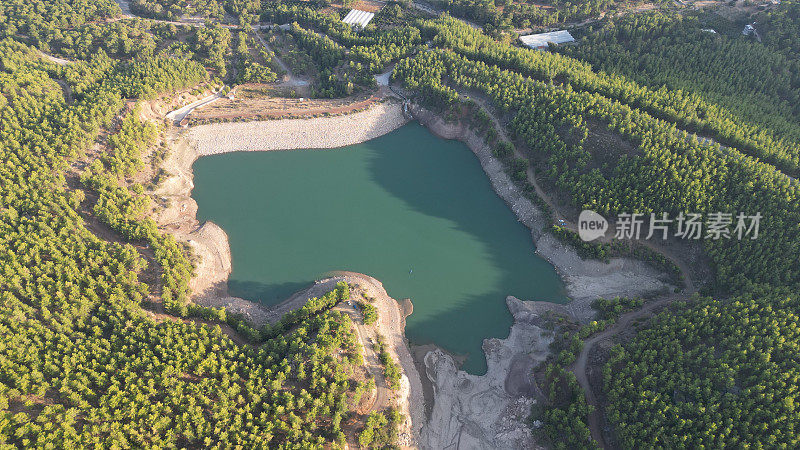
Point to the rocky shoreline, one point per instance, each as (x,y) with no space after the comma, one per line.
(489,411)
(287,134)
(585,280)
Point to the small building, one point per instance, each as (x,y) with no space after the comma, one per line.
(359,18)
(709,30)
(748,30)
(541,41)
(184,123)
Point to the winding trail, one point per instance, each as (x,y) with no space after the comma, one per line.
(51,58)
(125,6)
(579,367)
(572,226)
(626,321)
(181,113)
(293,80)
(371,361)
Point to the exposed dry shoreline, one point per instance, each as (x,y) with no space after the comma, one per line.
(505,390)
(318,132)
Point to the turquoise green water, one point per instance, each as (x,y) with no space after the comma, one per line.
(410,209)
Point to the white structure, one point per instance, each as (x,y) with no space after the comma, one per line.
(358,17)
(541,40)
(748,30)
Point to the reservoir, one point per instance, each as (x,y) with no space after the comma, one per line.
(414,211)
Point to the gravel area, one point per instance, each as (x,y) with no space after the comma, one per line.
(318,132)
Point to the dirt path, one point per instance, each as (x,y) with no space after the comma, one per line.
(371,361)
(51,58)
(125,6)
(67,90)
(282,108)
(580,365)
(181,113)
(292,80)
(579,368)
(501,130)
(564,222)
(430,9)
(391,325)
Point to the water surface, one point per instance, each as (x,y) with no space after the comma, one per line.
(410,209)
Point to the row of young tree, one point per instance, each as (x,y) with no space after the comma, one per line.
(177,9)
(345,60)
(174,10)
(76,30)
(686,110)
(505,15)
(781,27)
(41,21)
(718,373)
(249,70)
(678,52)
(701,177)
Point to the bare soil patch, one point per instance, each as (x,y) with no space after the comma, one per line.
(251,106)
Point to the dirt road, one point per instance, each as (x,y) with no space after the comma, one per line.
(292,80)
(366,335)
(625,322)
(564,222)
(181,113)
(579,368)
(391,325)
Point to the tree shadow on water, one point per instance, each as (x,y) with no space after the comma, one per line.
(442,178)
(267,294)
